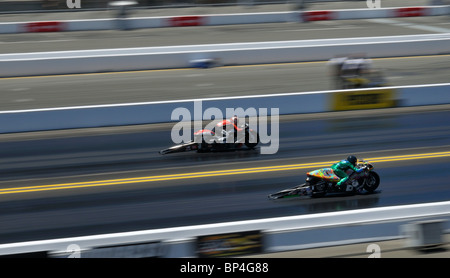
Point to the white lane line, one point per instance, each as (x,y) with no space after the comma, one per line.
(23,100)
(205,85)
(19,89)
(409,25)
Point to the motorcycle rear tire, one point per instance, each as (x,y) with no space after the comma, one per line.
(247,141)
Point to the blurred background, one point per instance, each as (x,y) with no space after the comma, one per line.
(42,5)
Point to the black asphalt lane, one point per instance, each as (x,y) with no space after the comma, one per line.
(72,157)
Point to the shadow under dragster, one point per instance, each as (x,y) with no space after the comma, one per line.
(208,141)
(322,181)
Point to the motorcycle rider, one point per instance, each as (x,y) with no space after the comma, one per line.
(229,129)
(340,169)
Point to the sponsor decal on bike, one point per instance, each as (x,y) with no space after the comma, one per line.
(363,99)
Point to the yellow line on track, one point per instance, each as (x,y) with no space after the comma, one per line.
(227,172)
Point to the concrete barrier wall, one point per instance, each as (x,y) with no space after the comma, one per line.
(220,19)
(144,113)
(424,95)
(282,233)
(145,58)
(157,112)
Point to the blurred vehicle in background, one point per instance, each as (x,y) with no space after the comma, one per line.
(349,72)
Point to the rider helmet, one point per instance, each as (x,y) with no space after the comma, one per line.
(352,159)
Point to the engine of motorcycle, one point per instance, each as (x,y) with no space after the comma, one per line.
(320,186)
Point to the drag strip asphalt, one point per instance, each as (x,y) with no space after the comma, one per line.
(144,190)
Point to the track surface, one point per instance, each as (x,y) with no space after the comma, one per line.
(80,156)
